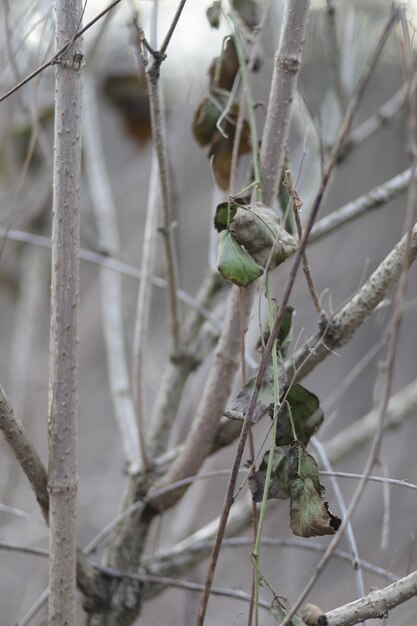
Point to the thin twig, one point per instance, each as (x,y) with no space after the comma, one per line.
(171,29)
(152,70)
(26,454)
(325,461)
(373,199)
(297,204)
(334,54)
(58,55)
(380,119)
(144,293)
(355,311)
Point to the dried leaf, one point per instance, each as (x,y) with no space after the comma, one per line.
(257,227)
(307,415)
(234,263)
(309,515)
(284,472)
(213,14)
(205,120)
(129,93)
(265,398)
(225,212)
(221,150)
(223,69)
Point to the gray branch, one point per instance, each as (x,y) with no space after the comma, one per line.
(62,417)
(376,604)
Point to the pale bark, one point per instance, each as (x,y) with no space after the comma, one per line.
(62,418)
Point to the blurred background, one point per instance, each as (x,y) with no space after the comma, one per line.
(385,521)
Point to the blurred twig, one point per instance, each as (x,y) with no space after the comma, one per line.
(114,264)
(152,71)
(334,54)
(111,289)
(373,199)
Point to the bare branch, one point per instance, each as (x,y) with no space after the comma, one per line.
(401,405)
(25,452)
(354,313)
(152,70)
(334,54)
(63,383)
(376,604)
(143,305)
(373,199)
(381,118)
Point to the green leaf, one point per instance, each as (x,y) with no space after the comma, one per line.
(213,14)
(234,263)
(307,415)
(225,212)
(257,227)
(283,337)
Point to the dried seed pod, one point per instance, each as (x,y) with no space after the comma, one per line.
(312,615)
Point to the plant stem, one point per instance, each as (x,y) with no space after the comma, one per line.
(62,414)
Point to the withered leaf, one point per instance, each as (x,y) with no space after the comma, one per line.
(309,514)
(306,412)
(221,148)
(223,69)
(225,212)
(129,94)
(284,472)
(205,120)
(213,14)
(265,398)
(257,227)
